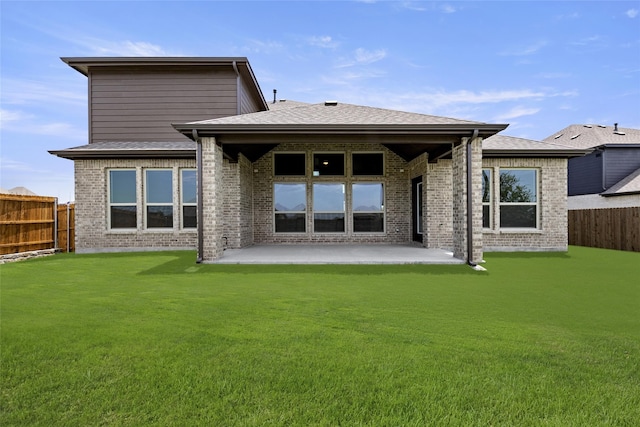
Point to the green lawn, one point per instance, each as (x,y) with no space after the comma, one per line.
(154,339)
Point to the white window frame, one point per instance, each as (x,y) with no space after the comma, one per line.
(418,218)
(146,204)
(343,211)
(110,203)
(536,203)
(182,202)
(491,197)
(382,211)
(276,213)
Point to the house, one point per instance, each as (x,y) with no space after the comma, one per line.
(607,177)
(187,153)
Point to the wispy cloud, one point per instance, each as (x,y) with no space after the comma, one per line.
(448,8)
(21,92)
(263,47)
(415,6)
(363,57)
(19,121)
(16,166)
(326,42)
(632,13)
(516,112)
(529,49)
(126,48)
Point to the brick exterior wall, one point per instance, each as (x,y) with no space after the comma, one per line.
(552,232)
(212,200)
(238,203)
(92,234)
(397,206)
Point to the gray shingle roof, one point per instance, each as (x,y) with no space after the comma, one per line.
(124,149)
(629,185)
(589,136)
(338,114)
(509,145)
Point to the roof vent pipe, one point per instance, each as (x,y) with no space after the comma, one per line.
(615,127)
(274,95)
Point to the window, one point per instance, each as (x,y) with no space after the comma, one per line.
(368,207)
(159,198)
(367,163)
(188,198)
(122,198)
(487,198)
(518,198)
(290,205)
(328,208)
(328,164)
(289,164)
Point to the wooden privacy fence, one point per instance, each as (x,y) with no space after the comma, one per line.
(32,223)
(616,228)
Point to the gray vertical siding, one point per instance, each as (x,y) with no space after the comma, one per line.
(585,174)
(139,104)
(619,162)
(247,103)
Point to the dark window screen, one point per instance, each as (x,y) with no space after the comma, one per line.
(368,164)
(289,164)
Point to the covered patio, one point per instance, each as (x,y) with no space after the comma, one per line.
(336,254)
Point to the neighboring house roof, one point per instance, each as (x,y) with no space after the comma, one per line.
(22,191)
(629,185)
(509,146)
(590,136)
(285,103)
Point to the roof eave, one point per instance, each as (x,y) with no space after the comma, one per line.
(123,154)
(488,152)
(204,129)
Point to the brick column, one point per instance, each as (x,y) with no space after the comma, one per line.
(212,206)
(459,171)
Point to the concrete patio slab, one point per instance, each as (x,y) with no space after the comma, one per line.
(337,254)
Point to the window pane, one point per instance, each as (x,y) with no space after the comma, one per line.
(368,222)
(289,164)
(486,185)
(189,217)
(290,197)
(123,217)
(367,164)
(328,197)
(368,197)
(328,164)
(290,223)
(158,186)
(159,216)
(189,186)
(518,186)
(328,223)
(122,186)
(517,216)
(486,219)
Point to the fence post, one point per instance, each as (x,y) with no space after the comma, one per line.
(68,228)
(55,224)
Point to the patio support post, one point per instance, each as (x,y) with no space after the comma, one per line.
(467,213)
(211,179)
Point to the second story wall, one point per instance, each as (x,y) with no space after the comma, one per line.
(140,103)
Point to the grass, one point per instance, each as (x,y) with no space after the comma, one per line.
(154,339)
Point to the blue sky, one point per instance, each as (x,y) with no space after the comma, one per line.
(539,66)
